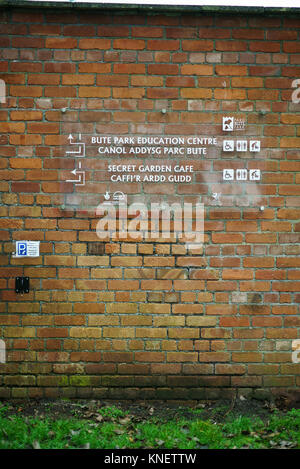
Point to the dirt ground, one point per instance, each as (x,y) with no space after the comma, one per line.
(216,411)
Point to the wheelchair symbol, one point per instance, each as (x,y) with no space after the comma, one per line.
(228,174)
(228,145)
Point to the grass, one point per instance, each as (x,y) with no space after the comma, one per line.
(113,428)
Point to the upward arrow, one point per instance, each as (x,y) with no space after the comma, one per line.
(70,137)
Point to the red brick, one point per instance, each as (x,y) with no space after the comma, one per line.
(44,30)
(142,31)
(197,69)
(214,357)
(52,332)
(248,34)
(30,42)
(34,91)
(195,93)
(231,45)
(60,67)
(79,30)
(134,93)
(43,79)
(60,91)
(238,70)
(118,68)
(246,82)
(198,45)
(246,357)
(26,115)
(25,187)
(131,44)
(115,80)
(61,43)
(84,79)
(113,31)
(13,78)
(159,69)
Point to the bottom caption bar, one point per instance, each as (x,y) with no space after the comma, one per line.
(148,457)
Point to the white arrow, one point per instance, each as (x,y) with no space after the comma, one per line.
(81,149)
(80,181)
(70,137)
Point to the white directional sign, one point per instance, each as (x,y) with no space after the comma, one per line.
(79,151)
(27,249)
(241,174)
(81,178)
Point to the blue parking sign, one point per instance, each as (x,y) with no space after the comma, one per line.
(22,249)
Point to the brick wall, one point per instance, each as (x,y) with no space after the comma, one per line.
(150,319)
